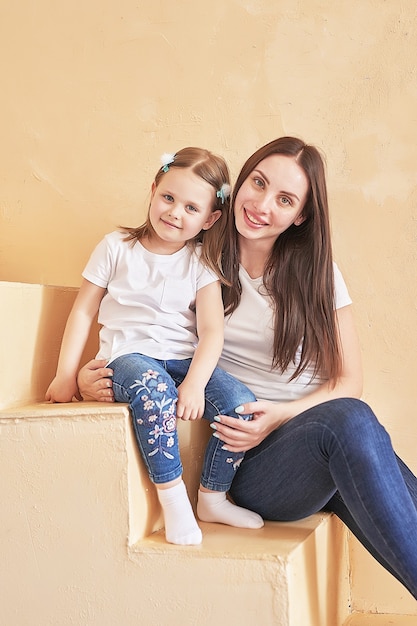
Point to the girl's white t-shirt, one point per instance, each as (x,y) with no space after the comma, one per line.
(249,339)
(147,306)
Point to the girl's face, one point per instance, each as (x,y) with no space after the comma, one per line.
(271,199)
(181,206)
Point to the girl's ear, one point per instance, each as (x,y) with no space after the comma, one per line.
(153,188)
(212,219)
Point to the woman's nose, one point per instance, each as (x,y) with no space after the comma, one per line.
(263,203)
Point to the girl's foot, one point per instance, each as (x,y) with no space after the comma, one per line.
(213,506)
(181,526)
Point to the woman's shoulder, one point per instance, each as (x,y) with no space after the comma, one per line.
(341,293)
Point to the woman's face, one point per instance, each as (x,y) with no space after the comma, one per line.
(271,199)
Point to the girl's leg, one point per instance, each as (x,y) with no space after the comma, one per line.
(338,446)
(151,393)
(223,394)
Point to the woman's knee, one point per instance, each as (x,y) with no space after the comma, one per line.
(355,420)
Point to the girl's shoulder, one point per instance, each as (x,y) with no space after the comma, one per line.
(113,239)
(116,236)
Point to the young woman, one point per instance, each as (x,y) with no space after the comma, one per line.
(158,294)
(289,335)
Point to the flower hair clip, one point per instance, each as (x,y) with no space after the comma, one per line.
(166,159)
(223,193)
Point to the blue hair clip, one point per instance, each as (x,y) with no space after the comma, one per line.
(166,159)
(223,193)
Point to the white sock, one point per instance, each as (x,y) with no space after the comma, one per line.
(213,506)
(180,524)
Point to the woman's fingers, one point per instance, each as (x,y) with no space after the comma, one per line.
(236,434)
(94,381)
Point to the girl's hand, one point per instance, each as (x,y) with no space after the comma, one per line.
(94,381)
(190,405)
(61,390)
(241,435)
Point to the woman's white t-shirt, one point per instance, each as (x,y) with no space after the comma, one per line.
(146,308)
(249,339)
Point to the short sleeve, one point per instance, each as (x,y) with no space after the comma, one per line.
(99,266)
(205,276)
(341,294)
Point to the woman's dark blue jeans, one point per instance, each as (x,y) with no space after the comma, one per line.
(337,457)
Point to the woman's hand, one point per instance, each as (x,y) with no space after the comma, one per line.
(94,381)
(241,435)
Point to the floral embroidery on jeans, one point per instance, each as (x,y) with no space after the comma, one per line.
(161,412)
(236,463)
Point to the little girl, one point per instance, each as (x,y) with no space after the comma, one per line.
(158,293)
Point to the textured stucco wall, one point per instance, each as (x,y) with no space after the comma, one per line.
(93,93)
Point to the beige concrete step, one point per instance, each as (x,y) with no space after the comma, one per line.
(369,619)
(283,574)
(76,504)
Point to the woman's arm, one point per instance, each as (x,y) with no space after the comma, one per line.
(64,386)
(210,320)
(240,435)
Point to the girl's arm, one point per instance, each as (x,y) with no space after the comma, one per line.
(210,320)
(64,386)
(240,435)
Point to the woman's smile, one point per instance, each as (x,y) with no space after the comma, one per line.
(251,217)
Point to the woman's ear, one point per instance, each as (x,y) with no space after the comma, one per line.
(300,219)
(212,219)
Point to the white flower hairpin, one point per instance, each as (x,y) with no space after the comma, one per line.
(166,159)
(224,192)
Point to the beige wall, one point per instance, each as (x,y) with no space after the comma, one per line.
(93,92)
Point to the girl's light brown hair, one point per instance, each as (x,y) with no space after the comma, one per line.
(213,170)
(298,275)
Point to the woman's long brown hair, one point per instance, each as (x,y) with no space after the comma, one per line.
(298,275)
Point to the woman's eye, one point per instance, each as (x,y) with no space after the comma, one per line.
(258,182)
(285,200)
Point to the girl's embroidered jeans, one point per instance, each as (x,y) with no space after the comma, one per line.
(150,387)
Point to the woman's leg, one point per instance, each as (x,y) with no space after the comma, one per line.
(144,383)
(336,505)
(338,446)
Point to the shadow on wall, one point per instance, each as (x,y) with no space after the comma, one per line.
(32,322)
(56,306)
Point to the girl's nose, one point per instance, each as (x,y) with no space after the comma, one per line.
(174,211)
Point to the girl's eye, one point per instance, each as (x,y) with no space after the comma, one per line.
(168,197)
(192,208)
